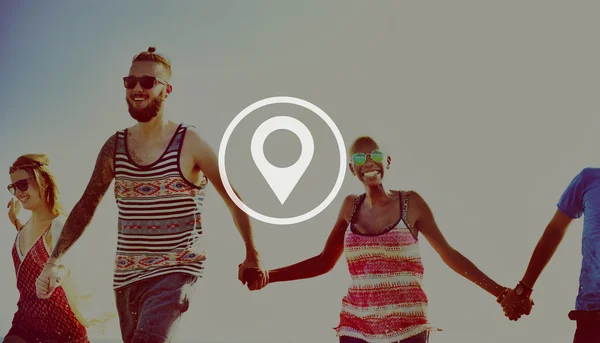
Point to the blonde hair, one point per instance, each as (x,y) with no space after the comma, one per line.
(152,56)
(36,165)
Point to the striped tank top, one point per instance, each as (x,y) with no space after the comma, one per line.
(159,221)
(385,302)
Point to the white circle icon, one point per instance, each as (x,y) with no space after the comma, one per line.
(282,180)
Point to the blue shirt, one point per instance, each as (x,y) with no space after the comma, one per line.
(582,197)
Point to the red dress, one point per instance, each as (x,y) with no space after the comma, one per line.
(42,320)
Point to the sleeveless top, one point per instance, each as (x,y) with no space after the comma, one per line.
(48,320)
(385,302)
(159,225)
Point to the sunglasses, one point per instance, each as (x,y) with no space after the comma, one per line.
(360,158)
(147,82)
(22,185)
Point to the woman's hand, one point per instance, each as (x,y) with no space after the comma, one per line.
(14,206)
(49,280)
(256,276)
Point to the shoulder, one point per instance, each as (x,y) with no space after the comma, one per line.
(350,200)
(590,174)
(193,137)
(108,148)
(191,132)
(413,204)
(349,206)
(587,177)
(411,197)
(197,147)
(414,207)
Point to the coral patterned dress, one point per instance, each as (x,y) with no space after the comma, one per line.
(41,320)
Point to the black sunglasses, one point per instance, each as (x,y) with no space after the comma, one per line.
(147,82)
(22,185)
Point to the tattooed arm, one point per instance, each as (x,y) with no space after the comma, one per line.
(78,219)
(81,215)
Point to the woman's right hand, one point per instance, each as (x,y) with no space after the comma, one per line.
(252,275)
(14,206)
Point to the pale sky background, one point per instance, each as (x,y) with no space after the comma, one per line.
(488,110)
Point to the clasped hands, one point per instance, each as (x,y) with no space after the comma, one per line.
(516,302)
(254,277)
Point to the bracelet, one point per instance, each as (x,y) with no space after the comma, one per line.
(50,263)
(502,295)
(529,288)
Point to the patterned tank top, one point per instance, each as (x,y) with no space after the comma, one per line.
(159,221)
(385,302)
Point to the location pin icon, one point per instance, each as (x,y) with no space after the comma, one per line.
(282,180)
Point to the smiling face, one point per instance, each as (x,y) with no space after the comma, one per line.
(367,162)
(151,88)
(31,198)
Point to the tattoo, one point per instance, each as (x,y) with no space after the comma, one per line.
(136,158)
(84,210)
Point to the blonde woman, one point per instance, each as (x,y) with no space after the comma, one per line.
(39,318)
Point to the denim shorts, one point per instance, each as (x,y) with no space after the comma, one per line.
(150,310)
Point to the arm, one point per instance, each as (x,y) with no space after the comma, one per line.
(570,206)
(206,159)
(553,235)
(546,247)
(327,259)
(52,238)
(425,222)
(18,225)
(81,215)
(78,220)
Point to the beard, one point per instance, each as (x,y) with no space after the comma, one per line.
(144,115)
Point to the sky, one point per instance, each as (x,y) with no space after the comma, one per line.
(488,109)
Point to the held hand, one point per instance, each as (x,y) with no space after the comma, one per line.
(255,276)
(515,305)
(252,267)
(14,206)
(48,280)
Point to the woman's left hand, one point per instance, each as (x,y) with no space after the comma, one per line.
(14,207)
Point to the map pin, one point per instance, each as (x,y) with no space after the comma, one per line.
(282,180)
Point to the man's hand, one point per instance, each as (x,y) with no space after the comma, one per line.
(515,306)
(251,273)
(48,280)
(254,276)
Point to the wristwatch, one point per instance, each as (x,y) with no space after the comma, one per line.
(523,290)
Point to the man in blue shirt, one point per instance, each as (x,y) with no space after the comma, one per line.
(582,197)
